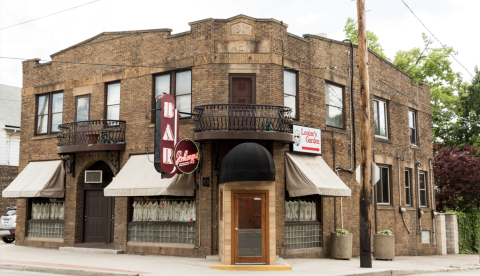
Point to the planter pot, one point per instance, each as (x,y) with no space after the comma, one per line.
(341,246)
(92,138)
(384,247)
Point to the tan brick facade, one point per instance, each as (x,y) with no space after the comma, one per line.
(212,52)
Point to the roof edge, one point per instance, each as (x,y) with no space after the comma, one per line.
(238,17)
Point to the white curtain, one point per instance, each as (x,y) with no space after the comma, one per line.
(300,210)
(164,211)
(48,211)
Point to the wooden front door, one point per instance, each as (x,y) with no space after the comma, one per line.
(250,233)
(98,217)
(242,94)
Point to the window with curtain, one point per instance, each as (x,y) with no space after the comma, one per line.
(113,101)
(49,112)
(380,118)
(303,228)
(412,123)
(334,99)
(422,182)
(408,188)
(83,108)
(383,186)
(290,91)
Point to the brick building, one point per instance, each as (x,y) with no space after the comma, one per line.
(246,80)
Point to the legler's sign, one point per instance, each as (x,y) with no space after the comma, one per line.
(307,139)
(187,156)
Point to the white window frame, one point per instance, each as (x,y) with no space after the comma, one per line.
(415,127)
(386,117)
(408,180)
(388,185)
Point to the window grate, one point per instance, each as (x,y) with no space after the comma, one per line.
(303,236)
(45,230)
(163,233)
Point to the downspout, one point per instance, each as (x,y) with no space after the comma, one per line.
(434,240)
(9,146)
(402,210)
(199,205)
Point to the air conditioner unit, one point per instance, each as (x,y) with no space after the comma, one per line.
(93,176)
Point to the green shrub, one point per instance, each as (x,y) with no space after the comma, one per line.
(342,232)
(468,231)
(385,233)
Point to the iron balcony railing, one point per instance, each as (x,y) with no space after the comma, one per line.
(271,118)
(91,132)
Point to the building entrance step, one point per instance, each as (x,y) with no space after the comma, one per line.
(91,250)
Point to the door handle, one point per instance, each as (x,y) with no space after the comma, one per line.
(113,218)
(85,218)
(236,228)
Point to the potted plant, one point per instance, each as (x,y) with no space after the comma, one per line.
(92,138)
(384,245)
(341,244)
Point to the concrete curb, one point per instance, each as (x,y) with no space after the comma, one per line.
(61,270)
(404,272)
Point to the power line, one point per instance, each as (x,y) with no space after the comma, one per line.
(436,38)
(48,15)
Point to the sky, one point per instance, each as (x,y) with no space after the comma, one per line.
(451,21)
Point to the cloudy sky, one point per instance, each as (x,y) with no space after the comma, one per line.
(452,21)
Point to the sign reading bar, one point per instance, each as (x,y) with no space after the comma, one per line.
(187,156)
(307,139)
(168,135)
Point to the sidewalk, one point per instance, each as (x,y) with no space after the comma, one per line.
(53,261)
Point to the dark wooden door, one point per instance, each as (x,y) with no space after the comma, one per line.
(96,220)
(250,228)
(242,94)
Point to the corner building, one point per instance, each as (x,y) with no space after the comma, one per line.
(241,84)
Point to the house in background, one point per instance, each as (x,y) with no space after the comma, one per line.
(10,111)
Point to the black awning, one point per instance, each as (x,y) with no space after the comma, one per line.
(247,162)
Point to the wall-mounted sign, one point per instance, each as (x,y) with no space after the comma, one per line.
(187,156)
(307,139)
(166,135)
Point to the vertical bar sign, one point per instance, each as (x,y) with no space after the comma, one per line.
(169,135)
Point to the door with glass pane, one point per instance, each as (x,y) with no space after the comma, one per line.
(249,223)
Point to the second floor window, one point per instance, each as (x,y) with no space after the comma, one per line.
(412,124)
(82,108)
(380,118)
(177,84)
(113,101)
(422,182)
(334,98)
(290,91)
(408,188)
(383,186)
(49,112)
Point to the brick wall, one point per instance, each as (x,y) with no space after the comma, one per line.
(212,52)
(7,175)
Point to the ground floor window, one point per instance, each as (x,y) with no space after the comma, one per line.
(46,217)
(162,219)
(303,228)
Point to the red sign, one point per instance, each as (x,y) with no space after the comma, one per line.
(187,156)
(169,135)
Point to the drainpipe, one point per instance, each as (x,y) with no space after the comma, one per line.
(199,205)
(434,214)
(9,146)
(402,210)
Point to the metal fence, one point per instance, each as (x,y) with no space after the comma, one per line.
(91,132)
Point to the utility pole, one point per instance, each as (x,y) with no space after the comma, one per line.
(365,164)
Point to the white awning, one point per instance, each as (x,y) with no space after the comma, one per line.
(139,178)
(310,175)
(39,179)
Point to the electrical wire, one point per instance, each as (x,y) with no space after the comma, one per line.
(436,38)
(48,15)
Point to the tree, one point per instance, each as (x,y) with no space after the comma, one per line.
(432,66)
(457,176)
(351,32)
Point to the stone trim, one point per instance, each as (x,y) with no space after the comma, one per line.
(383,140)
(304,250)
(381,94)
(385,207)
(43,239)
(329,76)
(49,88)
(159,244)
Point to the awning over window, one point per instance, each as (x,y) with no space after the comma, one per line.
(310,175)
(39,179)
(139,178)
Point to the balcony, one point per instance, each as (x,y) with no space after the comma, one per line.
(95,135)
(243,122)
